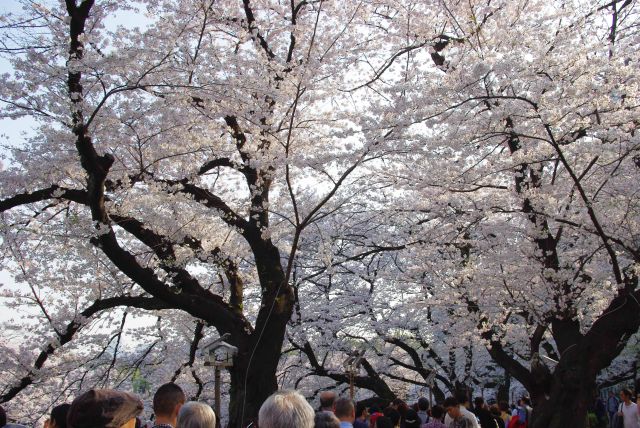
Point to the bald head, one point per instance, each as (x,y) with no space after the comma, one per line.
(327,400)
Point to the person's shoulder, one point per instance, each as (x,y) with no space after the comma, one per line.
(466,412)
(468,423)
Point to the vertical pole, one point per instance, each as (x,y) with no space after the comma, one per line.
(431,396)
(217,391)
(351,385)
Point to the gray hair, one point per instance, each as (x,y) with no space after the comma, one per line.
(326,419)
(196,415)
(285,409)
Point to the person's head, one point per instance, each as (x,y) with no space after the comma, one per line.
(345,410)
(411,419)
(526,401)
(495,410)
(286,409)
(167,402)
(196,415)
(478,402)
(361,411)
(384,422)
(452,406)
(3,417)
(325,419)
(504,406)
(327,399)
(462,396)
(392,414)
(423,404)
(399,405)
(104,408)
(437,412)
(626,395)
(58,418)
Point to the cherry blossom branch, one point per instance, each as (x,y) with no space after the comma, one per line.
(255,31)
(198,334)
(73,327)
(372,381)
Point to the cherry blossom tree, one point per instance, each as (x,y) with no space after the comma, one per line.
(433,175)
(527,196)
(177,166)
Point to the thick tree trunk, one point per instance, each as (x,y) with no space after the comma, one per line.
(250,387)
(573,381)
(438,395)
(572,392)
(504,387)
(253,375)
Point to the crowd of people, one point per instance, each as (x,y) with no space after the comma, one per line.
(107,408)
(454,412)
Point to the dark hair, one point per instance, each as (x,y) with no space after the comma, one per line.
(166,398)
(326,419)
(495,410)
(3,417)
(450,402)
(59,415)
(437,412)
(402,407)
(504,406)
(360,408)
(526,401)
(398,402)
(462,396)
(478,401)
(411,419)
(384,422)
(393,415)
(343,407)
(423,403)
(627,392)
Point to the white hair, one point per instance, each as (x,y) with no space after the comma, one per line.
(286,409)
(196,415)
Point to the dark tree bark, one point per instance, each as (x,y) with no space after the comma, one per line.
(504,388)
(573,382)
(372,381)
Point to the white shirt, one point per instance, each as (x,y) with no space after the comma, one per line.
(630,415)
(467,415)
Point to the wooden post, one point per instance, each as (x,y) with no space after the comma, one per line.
(431,396)
(351,392)
(217,390)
